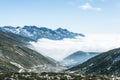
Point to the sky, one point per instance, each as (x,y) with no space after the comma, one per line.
(83,16)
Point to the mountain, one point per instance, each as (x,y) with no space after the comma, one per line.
(15,56)
(105,63)
(13,38)
(78,58)
(35,33)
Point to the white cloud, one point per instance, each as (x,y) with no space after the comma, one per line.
(97,9)
(59,49)
(88,6)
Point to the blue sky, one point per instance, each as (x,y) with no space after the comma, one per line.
(85,16)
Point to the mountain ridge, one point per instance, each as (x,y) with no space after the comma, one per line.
(35,33)
(16,56)
(78,57)
(104,63)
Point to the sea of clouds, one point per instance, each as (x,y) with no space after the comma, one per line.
(59,49)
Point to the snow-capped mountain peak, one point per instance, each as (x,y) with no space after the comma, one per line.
(36,33)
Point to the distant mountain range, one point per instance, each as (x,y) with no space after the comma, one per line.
(35,33)
(78,58)
(105,63)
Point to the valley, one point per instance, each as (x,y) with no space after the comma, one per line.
(59,39)
(20,62)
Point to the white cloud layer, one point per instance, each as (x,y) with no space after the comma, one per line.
(59,49)
(88,6)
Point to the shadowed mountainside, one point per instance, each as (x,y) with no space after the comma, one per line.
(105,63)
